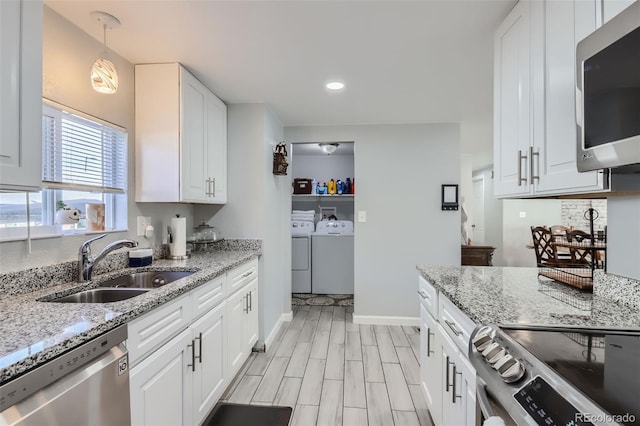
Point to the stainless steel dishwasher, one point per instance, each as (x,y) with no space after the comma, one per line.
(88,385)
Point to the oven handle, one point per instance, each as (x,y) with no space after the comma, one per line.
(483,400)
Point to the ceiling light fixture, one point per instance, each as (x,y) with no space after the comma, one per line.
(328,148)
(104,77)
(335,85)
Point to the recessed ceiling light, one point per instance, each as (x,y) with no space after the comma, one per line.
(335,85)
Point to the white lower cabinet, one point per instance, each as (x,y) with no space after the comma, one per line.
(243,324)
(185,352)
(209,336)
(447,378)
(430,370)
(161,385)
(459,378)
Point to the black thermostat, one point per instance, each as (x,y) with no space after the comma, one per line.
(449,197)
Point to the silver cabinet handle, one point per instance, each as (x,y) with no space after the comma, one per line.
(208,191)
(531,155)
(193,355)
(448,364)
(453,393)
(245,300)
(423,294)
(199,339)
(213,187)
(453,327)
(245,275)
(429,334)
(520,178)
(250,296)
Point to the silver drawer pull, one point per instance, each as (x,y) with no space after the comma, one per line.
(423,294)
(453,327)
(245,275)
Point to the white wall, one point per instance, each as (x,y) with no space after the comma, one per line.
(623,236)
(517,230)
(258,204)
(68,54)
(492,216)
(399,172)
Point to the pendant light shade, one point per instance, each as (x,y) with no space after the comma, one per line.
(104,77)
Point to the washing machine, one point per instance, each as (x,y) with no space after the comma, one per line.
(332,257)
(301,256)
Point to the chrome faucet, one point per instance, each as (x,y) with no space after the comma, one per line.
(86,262)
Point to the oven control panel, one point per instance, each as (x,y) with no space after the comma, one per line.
(546,406)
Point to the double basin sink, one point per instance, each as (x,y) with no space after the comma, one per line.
(123,287)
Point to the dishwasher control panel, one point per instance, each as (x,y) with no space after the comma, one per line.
(32,381)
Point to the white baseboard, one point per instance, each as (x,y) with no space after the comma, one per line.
(380,320)
(286,317)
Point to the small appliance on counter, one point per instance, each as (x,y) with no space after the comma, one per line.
(177,238)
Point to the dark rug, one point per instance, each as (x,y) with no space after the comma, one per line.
(300,299)
(225,414)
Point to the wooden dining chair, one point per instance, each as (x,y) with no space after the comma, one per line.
(546,252)
(581,256)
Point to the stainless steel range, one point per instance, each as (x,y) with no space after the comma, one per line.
(558,375)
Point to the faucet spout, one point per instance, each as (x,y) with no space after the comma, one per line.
(86,261)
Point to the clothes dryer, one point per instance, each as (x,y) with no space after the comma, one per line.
(332,257)
(301,256)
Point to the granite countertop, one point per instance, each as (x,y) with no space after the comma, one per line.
(507,296)
(33,332)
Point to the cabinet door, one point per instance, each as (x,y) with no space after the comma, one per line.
(21,100)
(193,140)
(209,334)
(161,385)
(552,158)
(250,326)
(512,103)
(430,372)
(236,313)
(216,149)
(459,396)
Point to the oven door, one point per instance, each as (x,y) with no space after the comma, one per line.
(493,414)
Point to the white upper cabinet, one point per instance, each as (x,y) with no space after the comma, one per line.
(534,123)
(512,93)
(181,137)
(20,95)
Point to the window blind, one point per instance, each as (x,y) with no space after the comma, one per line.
(80,153)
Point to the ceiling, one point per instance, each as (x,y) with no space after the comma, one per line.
(402,62)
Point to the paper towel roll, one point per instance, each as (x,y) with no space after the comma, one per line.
(179,234)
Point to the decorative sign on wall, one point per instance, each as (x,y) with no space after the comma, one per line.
(280,159)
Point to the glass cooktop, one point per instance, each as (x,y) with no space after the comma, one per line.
(603,365)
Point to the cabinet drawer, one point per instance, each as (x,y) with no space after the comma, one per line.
(208,295)
(241,275)
(428,296)
(152,330)
(457,325)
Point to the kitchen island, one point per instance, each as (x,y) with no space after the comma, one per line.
(34,331)
(508,295)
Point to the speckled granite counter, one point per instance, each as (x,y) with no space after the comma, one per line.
(33,332)
(517,296)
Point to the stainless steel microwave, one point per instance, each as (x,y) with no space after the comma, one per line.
(608,95)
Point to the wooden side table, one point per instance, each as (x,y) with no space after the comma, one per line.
(477,255)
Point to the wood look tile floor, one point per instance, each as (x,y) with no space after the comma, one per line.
(334,372)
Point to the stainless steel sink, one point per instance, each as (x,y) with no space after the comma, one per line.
(101,295)
(146,280)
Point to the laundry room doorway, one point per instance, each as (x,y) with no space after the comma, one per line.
(322,223)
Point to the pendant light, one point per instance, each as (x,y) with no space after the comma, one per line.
(104,77)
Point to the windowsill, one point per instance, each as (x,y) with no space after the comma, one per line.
(47,235)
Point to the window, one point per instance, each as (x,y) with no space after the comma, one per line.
(84,161)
